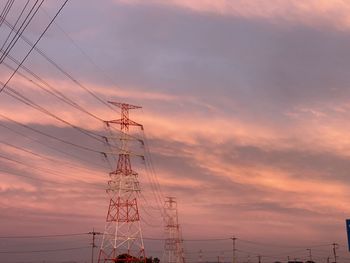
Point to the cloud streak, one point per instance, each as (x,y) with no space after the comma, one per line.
(311,13)
(245,107)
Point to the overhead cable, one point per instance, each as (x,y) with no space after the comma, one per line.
(31,49)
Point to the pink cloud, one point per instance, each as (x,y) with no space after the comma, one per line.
(314,13)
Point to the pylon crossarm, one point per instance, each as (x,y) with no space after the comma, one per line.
(124,105)
(125,138)
(121,151)
(126,122)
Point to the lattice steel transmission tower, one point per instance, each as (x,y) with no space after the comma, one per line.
(122,239)
(173,243)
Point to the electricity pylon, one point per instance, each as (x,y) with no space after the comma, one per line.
(122,239)
(173,243)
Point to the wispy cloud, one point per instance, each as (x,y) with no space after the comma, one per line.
(245,106)
(313,13)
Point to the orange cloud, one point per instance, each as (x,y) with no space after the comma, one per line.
(312,129)
(313,194)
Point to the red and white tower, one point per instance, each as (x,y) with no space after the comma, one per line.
(122,239)
(173,244)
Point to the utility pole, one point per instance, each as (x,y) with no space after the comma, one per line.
(233,249)
(310,255)
(259,258)
(200,256)
(93,245)
(335,247)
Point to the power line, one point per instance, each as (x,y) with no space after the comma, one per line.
(190,240)
(44,236)
(18,96)
(155,186)
(100,138)
(38,179)
(31,49)
(30,177)
(11,31)
(28,165)
(47,171)
(86,233)
(78,157)
(81,183)
(83,52)
(49,89)
(157,239)
(42,251)
(64,72)
(53,137)
(54,92)
(207,240)
(25,23)
(6,10)
(42,156)
(282,246)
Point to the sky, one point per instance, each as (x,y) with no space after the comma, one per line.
(245,106)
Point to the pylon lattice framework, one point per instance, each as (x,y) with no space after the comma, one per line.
(173,244)
(122,239)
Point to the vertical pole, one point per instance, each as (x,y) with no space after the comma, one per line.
(335,246)
(259,258)
(233,249)
(200,256)
(310,255)
(93,245)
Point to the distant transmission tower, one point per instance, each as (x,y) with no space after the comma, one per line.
(122,239)
(173,244)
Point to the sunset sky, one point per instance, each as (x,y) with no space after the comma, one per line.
(246,108)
